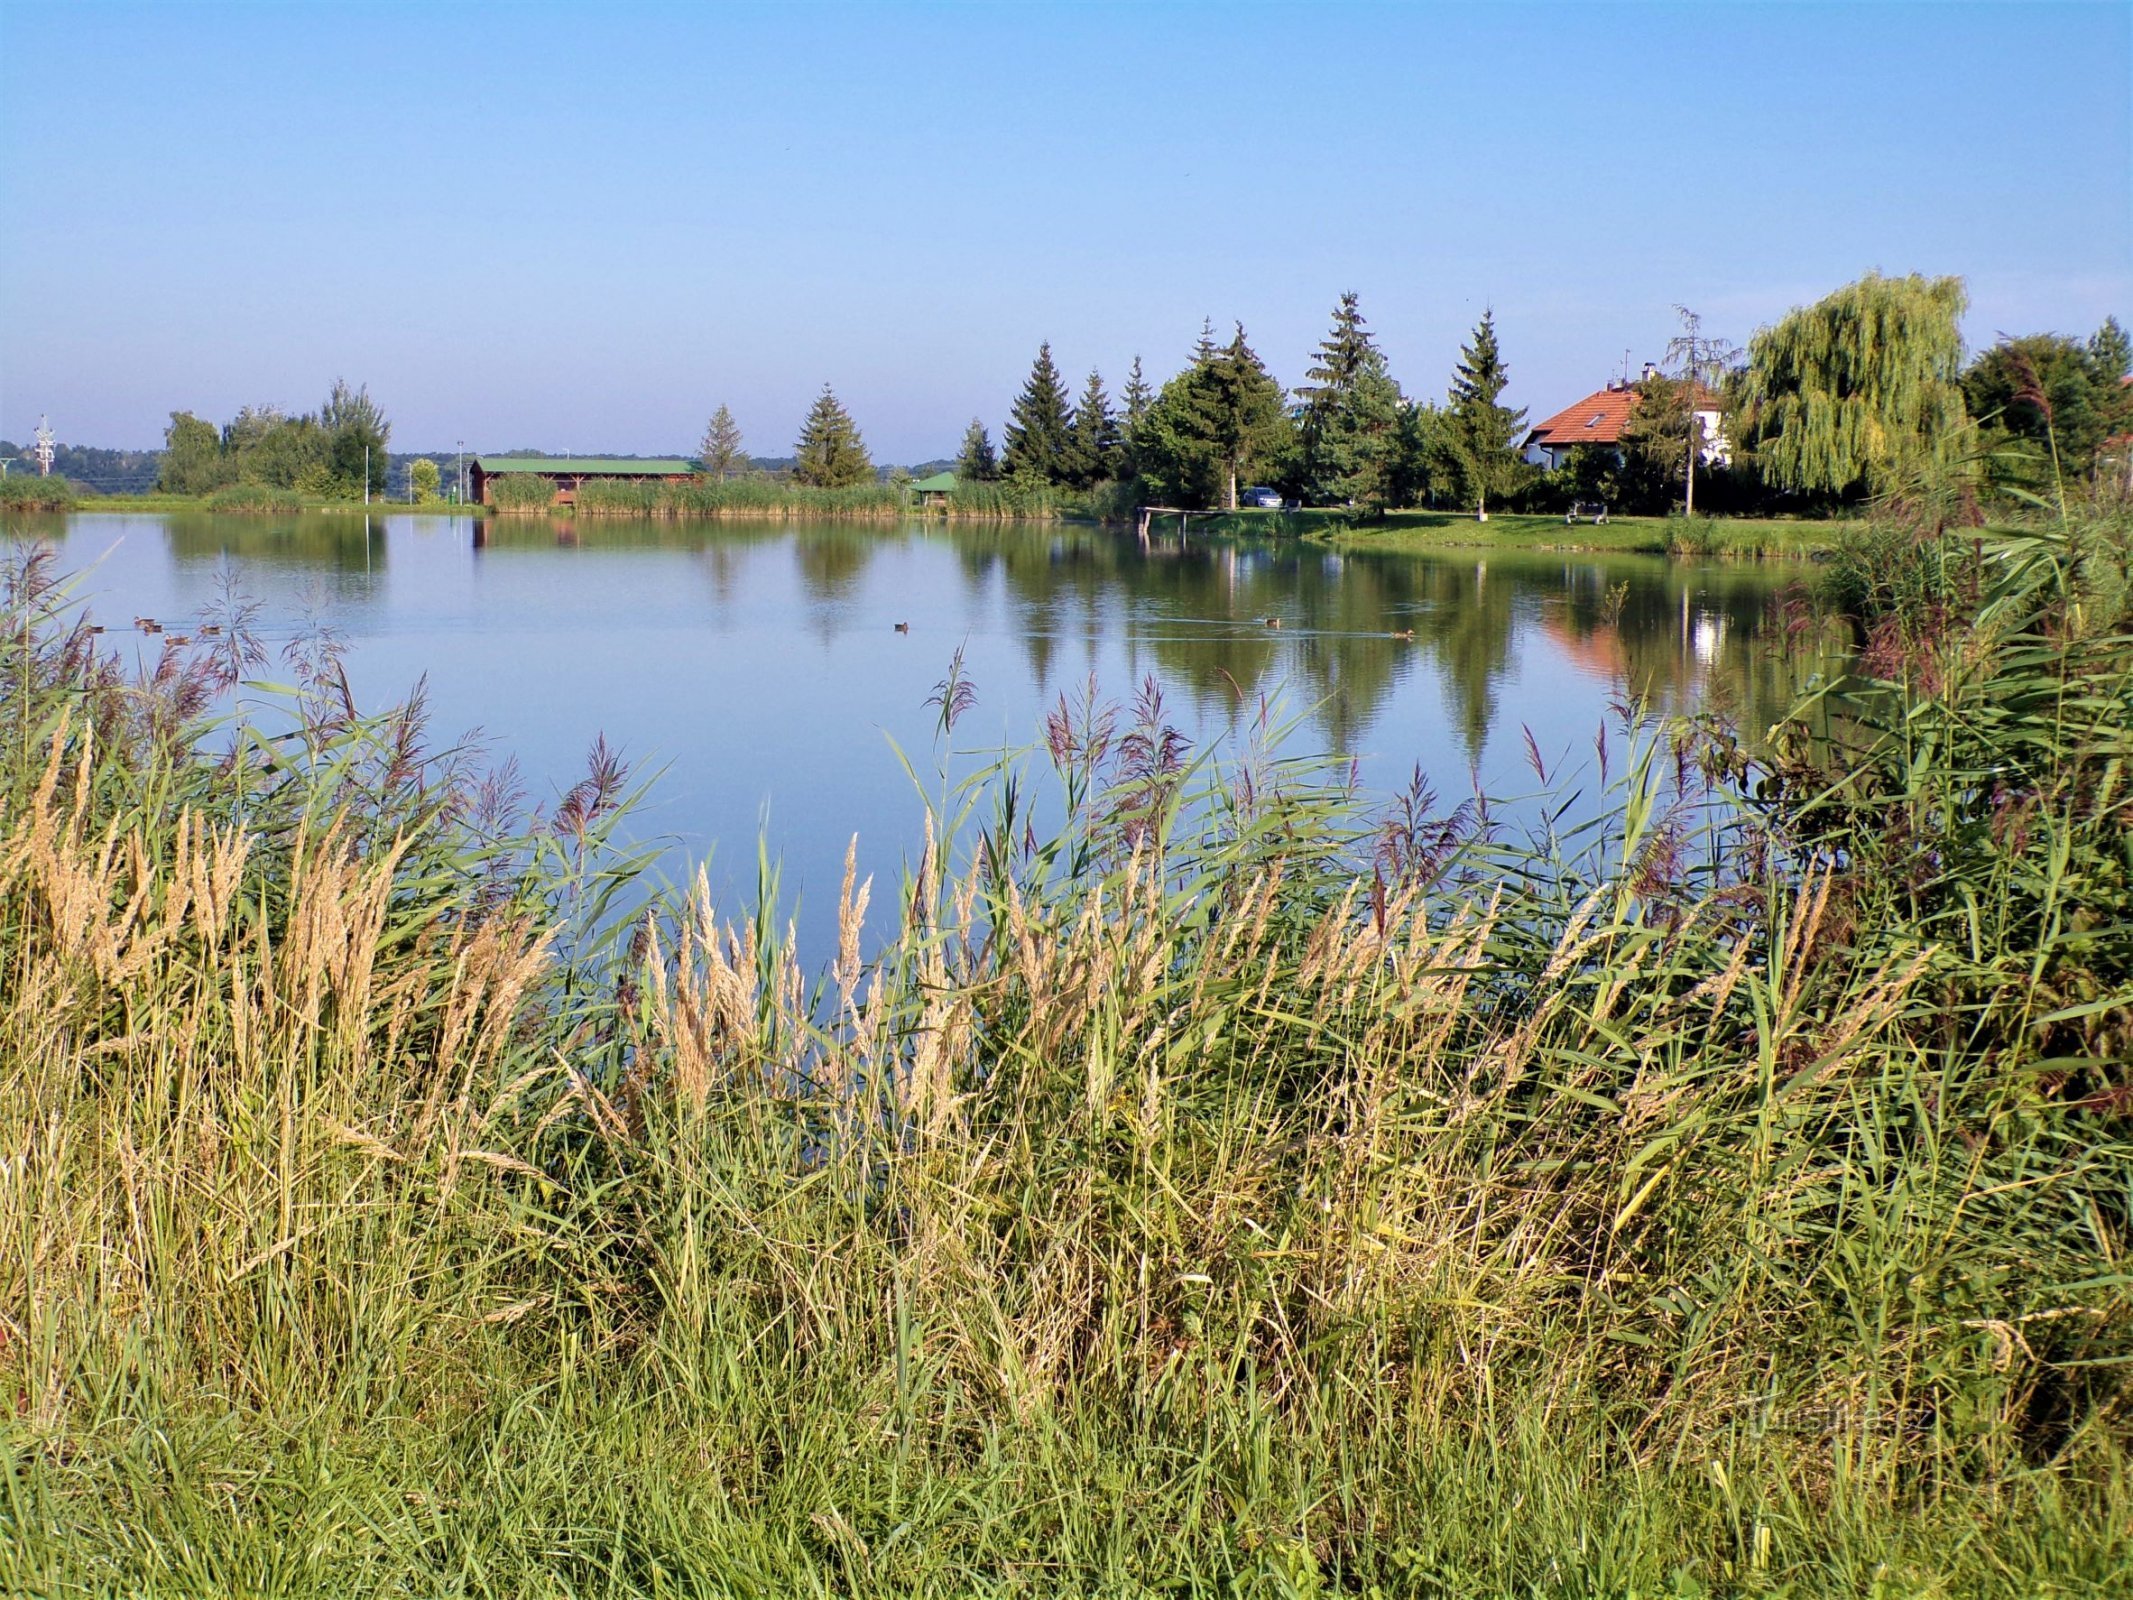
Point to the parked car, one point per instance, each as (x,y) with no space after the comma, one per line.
(1261,497)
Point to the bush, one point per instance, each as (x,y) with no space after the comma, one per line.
(27,492)
(521,492)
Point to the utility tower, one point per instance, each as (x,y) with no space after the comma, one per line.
(43,453)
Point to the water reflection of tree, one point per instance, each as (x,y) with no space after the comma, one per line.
(1677,635)
(335,543)
(1715,637)
(831,560)
(1198,611)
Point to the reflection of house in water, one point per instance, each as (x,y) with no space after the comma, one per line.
(1708,637)
(1673,658)
(1597,653)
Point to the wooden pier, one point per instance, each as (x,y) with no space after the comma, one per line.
(1148,514)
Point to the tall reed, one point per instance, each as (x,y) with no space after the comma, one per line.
(1220,1190)
(255,498)
(739,497)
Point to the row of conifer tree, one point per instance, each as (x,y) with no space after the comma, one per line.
(1347,435)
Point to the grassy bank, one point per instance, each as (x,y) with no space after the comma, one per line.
(1734,538)
(1221,1191)
(238,499)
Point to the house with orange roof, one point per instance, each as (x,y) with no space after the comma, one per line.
(1598,419)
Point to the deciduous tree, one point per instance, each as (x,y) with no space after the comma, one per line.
(1700,361)
(261,445)
(192,456)
(830,453)
(357,435)
(1846,397)
(423,479)
(2054,397)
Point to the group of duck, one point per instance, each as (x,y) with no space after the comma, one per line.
(1396,633)
(149,625)
(1271,622)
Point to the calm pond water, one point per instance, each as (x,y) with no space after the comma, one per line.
(757,668)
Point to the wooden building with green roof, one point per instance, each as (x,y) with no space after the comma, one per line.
(566,473)
(933,491)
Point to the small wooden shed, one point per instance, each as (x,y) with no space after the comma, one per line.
(932,493)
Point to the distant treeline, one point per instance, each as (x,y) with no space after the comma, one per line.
(87,467)
(1863,394)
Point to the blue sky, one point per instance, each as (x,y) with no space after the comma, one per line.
(581,227)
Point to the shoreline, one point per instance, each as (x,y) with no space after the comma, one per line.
(1397,532)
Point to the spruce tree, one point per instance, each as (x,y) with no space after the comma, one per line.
(1351,415)
(1655,441)
(1092,451)
(830,453)
(1251,424)
(1484,434)
(1036,438)
(1425,467)
(2111,349)
(1136,397)
(1212,424)
(720,451)
(975,462)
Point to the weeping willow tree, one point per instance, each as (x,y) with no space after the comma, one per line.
(1850,395)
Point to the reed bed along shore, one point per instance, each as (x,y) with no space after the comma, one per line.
(762,498)
(1222,1190)
(24,492)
